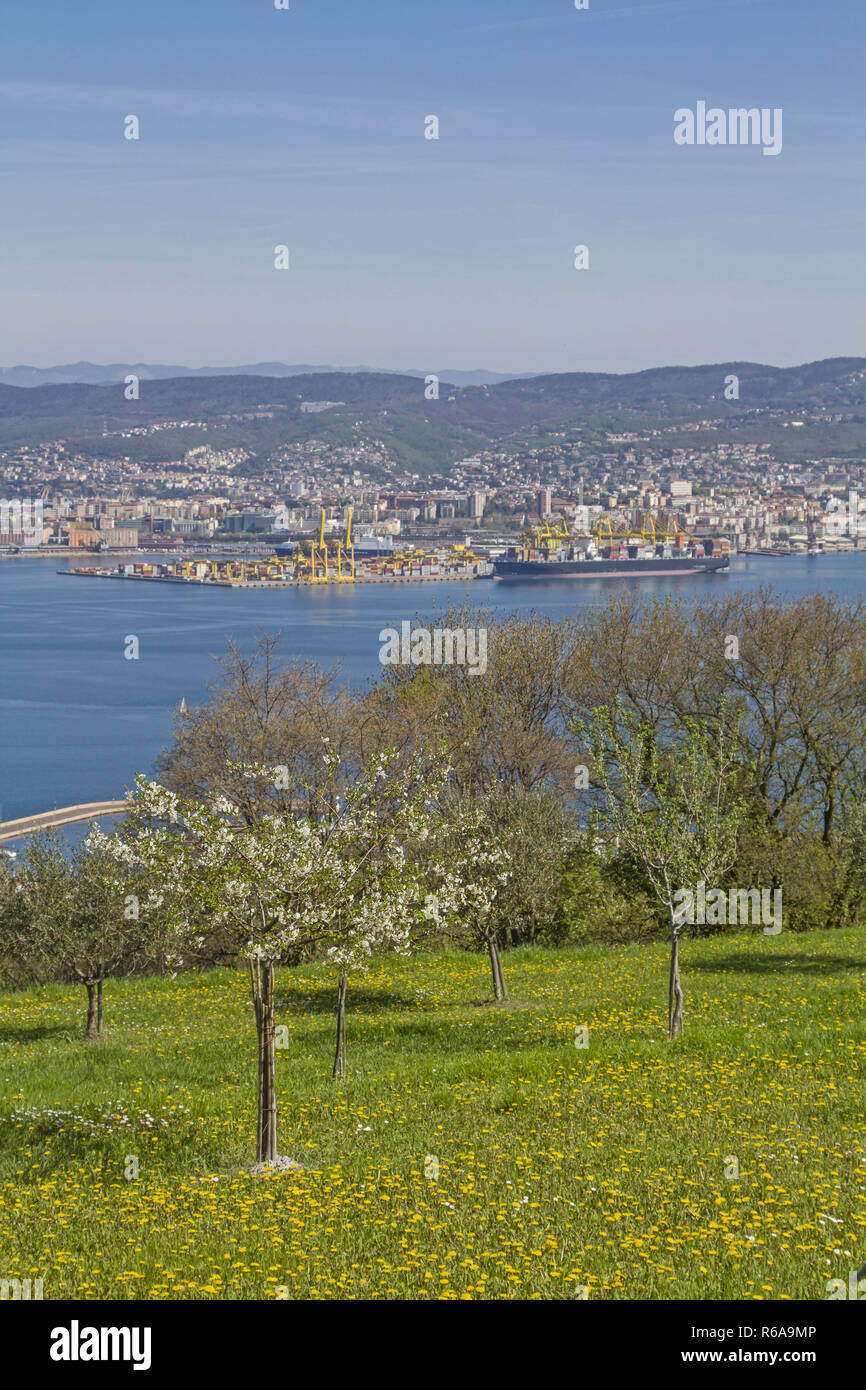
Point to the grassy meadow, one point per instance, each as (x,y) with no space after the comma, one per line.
(474,1150)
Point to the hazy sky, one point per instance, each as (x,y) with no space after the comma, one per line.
(306,128)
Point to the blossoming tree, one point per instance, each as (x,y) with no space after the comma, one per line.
(343,879)
(467,871)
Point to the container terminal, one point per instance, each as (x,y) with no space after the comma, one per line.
(322,560)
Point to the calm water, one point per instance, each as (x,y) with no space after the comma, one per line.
(79,720)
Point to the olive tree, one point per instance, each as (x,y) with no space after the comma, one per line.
(73,917)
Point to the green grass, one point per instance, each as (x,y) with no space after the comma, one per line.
(560,1170)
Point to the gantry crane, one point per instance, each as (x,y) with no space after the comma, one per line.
(647,532)
(346,553)
(313,564)
(545,537)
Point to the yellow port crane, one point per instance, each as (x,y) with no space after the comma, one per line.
(320,553)
(318,563)
(312,564)
(545,538)
(647,532)
(345,553)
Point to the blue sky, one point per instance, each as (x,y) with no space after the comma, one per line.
(306,127)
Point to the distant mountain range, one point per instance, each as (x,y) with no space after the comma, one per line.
(91,374)
(250,409)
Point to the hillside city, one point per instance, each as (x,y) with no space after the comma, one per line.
(209,495)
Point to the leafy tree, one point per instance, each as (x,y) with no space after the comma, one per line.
(604,897)
(504,729)
(261,715)
(796,690)
(533,832)
(76,919)
(666,806)
(538,832)
(849,843)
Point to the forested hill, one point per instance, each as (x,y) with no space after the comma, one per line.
(264,412)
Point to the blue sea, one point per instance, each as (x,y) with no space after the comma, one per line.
(79,720)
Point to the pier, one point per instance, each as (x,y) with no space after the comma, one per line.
(66,815)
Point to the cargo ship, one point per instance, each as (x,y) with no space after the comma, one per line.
(552,552)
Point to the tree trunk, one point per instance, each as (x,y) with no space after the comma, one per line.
(256,984)
(829,807)
(675,990)
(99,1007)
(262,977)
(90,1030)
(340,1058)
(499,990)
(269,1097)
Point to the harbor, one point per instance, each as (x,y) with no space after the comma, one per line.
(320,560)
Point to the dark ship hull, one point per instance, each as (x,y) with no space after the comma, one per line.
(608,569)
